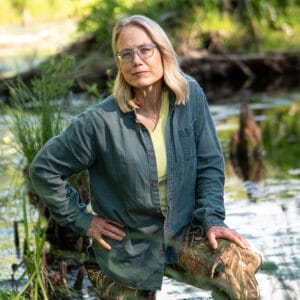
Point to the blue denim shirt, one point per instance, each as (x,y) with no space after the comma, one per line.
(119,155)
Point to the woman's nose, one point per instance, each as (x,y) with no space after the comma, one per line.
(136,58)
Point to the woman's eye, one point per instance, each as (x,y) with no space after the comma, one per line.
(145,50)
(126,54)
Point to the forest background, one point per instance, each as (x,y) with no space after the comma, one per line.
(198,28)
(272,24)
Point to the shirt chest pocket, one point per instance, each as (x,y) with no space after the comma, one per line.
(187,141)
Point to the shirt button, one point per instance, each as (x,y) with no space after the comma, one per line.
(151,153)
(154,183)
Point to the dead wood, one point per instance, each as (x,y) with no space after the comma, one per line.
(222,75)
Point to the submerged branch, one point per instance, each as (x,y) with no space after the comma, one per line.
(220,74)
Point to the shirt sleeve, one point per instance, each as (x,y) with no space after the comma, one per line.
(61,157)
(210,210)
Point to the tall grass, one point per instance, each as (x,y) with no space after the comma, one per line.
(41,282)
(36,286)
(37,111)
(38,108)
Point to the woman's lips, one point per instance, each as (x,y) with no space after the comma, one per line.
(140,73)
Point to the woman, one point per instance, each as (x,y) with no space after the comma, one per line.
(155,164)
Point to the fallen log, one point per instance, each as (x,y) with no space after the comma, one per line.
(221,75)
(224,76)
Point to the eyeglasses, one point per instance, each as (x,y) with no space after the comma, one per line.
(144,51)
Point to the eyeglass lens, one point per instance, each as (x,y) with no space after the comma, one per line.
(144,51)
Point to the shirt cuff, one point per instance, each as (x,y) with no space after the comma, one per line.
(205,225)
(82,223)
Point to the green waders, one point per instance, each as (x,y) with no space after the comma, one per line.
(229,272)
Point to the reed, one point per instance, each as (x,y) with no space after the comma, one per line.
(39,277)
(36,285)
(38,108)
(37,111)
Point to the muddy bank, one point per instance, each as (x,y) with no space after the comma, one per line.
(225,77)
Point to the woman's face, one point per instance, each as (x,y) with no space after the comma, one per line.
(141,73)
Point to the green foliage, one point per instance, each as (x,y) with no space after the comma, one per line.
(93,91)
(281,136)
(38,275)
(33,263)
(253,22)
(101,20)
(104,14)
(37,115)
(193,23)
(32,11)
(111,81)
(286,122)
(46,96)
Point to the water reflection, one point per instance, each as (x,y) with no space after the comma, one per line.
(246,152)
(272,224)
(273,227)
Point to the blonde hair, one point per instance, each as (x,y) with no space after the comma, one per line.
(174,78)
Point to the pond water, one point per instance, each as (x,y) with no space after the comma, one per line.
(24,47)
(271,224)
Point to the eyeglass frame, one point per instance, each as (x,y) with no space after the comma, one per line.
(133,51)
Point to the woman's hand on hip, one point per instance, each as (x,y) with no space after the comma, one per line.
(218,232)
(101,227)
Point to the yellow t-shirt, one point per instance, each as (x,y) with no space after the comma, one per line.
(158,137)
